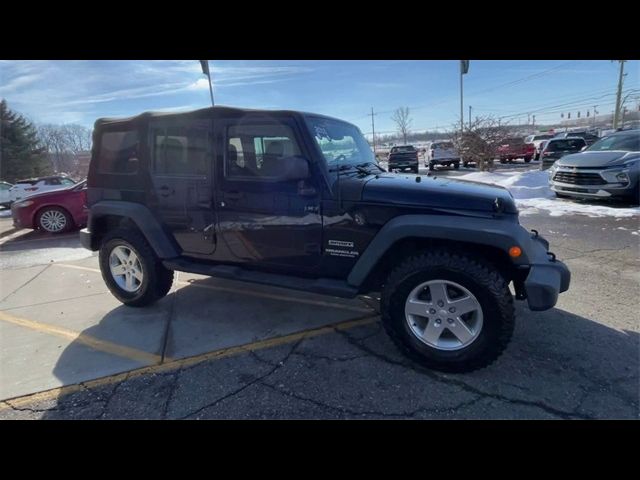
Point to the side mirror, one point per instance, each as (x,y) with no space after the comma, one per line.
(294,168)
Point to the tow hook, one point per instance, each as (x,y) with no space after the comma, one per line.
(552,255)
(535,233)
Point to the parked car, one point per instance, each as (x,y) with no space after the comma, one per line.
(514,148)
(608,168)
(403,157)
(32,186)
(557,148)
(589,137)
(442,154)
(5,197)
(537,140)
(54,212)
(274,203)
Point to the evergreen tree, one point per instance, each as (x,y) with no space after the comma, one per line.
(20,154)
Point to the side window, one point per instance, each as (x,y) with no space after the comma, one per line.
(256,151)
(4,186)
(119,152)
(52,181)
(67,182)
(181,150)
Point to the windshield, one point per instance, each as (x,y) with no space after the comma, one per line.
(341,143)
(628,143)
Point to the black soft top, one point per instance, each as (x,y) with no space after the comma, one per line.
(208,112)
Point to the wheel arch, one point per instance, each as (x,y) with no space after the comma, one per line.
(412,233)
(108,215)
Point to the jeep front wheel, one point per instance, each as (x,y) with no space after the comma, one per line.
(450,312)
(131,270)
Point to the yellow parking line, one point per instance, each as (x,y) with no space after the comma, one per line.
(83,338)
(19,402)
(271,296)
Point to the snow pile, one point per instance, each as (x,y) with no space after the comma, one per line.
(532,193)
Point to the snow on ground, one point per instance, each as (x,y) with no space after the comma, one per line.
(532,193)
(5,213)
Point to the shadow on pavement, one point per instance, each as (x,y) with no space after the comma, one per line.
(555,357)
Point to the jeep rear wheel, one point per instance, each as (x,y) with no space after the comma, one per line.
(131,270)
(449,312)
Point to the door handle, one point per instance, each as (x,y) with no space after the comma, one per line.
(233,195)
(166,191)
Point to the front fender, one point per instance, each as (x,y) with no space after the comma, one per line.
(502,233)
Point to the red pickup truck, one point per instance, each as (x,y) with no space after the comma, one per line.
(516,148)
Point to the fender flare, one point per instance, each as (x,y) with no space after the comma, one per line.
(163,245)
(494,232)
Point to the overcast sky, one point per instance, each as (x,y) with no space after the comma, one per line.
(81,91)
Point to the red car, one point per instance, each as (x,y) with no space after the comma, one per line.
(516,148)
(57,211)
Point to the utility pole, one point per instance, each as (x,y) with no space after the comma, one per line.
(461,108)
(528,119)
(469,117)
(616,117)
(534,122)
(595,112)
(624,112)
(373,129)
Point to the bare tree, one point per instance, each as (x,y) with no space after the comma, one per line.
(479,142)
(403,121)
(63,144)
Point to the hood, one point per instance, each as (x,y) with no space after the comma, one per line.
(48,193)
(436,193)
(597,159)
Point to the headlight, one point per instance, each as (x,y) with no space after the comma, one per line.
(26,203)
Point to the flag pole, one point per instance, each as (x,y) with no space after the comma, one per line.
(205,70)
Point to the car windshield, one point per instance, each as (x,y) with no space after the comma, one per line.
(443,145)
(628,142)
(569,144)
(341,143)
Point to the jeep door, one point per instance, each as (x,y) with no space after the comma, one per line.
(181,152)
(263,219)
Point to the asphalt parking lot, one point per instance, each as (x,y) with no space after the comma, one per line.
(219,349)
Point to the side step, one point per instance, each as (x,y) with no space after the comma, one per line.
(323,286)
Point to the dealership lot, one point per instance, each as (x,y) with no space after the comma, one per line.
(220,349)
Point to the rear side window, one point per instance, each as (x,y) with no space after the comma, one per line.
(181,150)
(52,181)
(119,153)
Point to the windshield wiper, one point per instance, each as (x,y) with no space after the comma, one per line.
(365,164)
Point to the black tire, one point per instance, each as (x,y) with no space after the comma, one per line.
(415,170)
(456,166)
(503,160)
(465,164)
(527,159)
(431,167)
(67,219)
(480,278)
(157,280)
(537,157)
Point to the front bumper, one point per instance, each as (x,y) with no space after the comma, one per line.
(547,277)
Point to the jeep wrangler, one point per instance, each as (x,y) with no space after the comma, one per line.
(298,200)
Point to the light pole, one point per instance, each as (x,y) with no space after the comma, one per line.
(616,116)
(470,117)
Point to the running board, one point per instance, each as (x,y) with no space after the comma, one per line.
(323,286)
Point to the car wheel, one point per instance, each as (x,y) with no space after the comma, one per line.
(54,220)
(132,271)
(448,311)
(431,167)
(456,166)
(527,159)
(465,164)
(503,160)
(415,170)
(634,198)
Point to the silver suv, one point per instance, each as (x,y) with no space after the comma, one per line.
(608,168)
